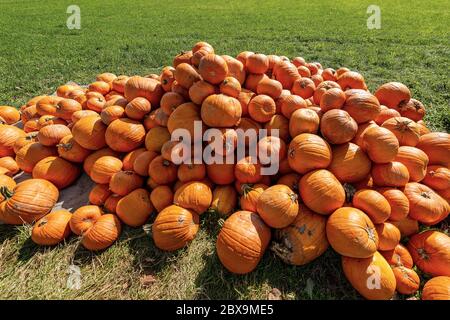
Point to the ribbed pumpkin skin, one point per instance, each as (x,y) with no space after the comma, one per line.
(430,252)
(437,288)
(104,168)
(124,182)
(58,171)
(337,126)
(224,200)
(349,163)
(99,194)
(437,177)
(362,107)
(303,240)
(174,228)
(135,208)
(8,136)
(388,236)
(10,165)
(124,135)
(250,196)
(363,272)
(52,228)
(391,94)
(437,147)
(103,233)
(183,117)
(406,130)
(51,135)
(242,241)
(398,202)
(149,89)
(308,152)
(32,199)
(321,191)
(161,197)
(415,160)
(89,132)
(399,256)
(72,151)
(407,226)
(93,157)
(407,280)
(219,110)
(373,204)
(278,206)
(32,153)
(392,174)
(83,218)
(380,144)
(425,204)
(351,233)
(193,195)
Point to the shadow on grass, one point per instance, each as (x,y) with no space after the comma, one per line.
(320,279)
(8,232)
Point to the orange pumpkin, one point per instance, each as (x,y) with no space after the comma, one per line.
(90,160)
(308,152)
(425,205)
(89,132)
(303,87)
(58,171)
(10,115)
(380,144)
(147,88)
(398,202)
(337,126)
(137,108)
(161,197)
(321,191)
(135,208)
(399,256)
(224,200)
(52,228)
(392,174)
(99,193)
(103,233)
(407,280)
(51,135)
(351,233)
(124,135)
(72,151)
(333,98)
(278,206)
(174,227)
(386,114)
(391,94)
(372,277)
(193,195)
(303,240)
(213,68)
(349,163)
(104,168)
(162,171)
(415,160)
(430,253)
(32,153)
(123,182)
(413,109)
(388,236)
(242,241)
(437,177)
(10,165)
(437,147)
(373,204)
(407,226)
(170,101)
(186,75)
(303,121)
(406,130)
(437,288)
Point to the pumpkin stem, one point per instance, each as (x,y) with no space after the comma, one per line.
(6,193)
(220,222)
(65,146)
(293,197)
(42,223)
(246,188)
(423,254)
(349,192)
(371,233)
(426,195)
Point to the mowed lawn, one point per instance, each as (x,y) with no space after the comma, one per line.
(38,53)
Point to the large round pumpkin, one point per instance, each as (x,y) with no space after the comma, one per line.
(103,233)
(89,132)
(437,177)
(8,136)
(391,94)
(321,191)
(60,172)
(337,126)
(185,116)
(391,174)
(373,204)
(380,144)
(147,88)
(437,147)
(104,168)
(71,150)
(278,206)
(398,202)
(51,135)
(52,228)
(30,200)
(388,236)
(32,153)
(135,208)
(219,110)
(124,135)
(308,152)
(193,195)
(437,288)
(242,241)
(415,160)
(213,68)
(351,233)
(362,107)
(303,240)
(406,130)
(174,228)
(349,163)
(425,205)
(430,252)
(372,277)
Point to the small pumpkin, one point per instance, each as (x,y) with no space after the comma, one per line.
(193,195)
(58,171)
(437,288)
(191,172)
(280,124)
(135,208)
(430,253)
(399,256)
(373,204)
(89,132)
(406,130)
(392,174)
(90,160)
(137,108)
(32,153)
(162,171)
(247,170)
(278,206)
(337,126)
(290,103)
(224,200)
(303,240)
(388,236)
(308,152)
(10,165)
(104,168)
(99,193)
(261,108)
(303,121)
(72,151)
(52,228)
(413,109)
(321,191)
(161,197)
(124,135)
(407,226)
(425,204)
(250,196)
(213,68)
(386,114)
(221,174)
(103,233)
(174,227)
(124,182)
(142,162)
(147,88)
(362,107)
(269,87)
(186,75)
(257,63)
(221,111)
(51,135)
(184,117)
(111,113)
(398,202)
(10,115)
(437,147)
(349,163)
(351,233)
(333,98)
(111,203)
(25,140)
(242,241)
(415,160)
(303,87)
(407,280)
(380,144)
(170,101)
(437,177)
(156,137)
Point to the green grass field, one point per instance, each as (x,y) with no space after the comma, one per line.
(38,53)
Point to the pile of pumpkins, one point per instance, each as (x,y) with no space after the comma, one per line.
(357,170)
